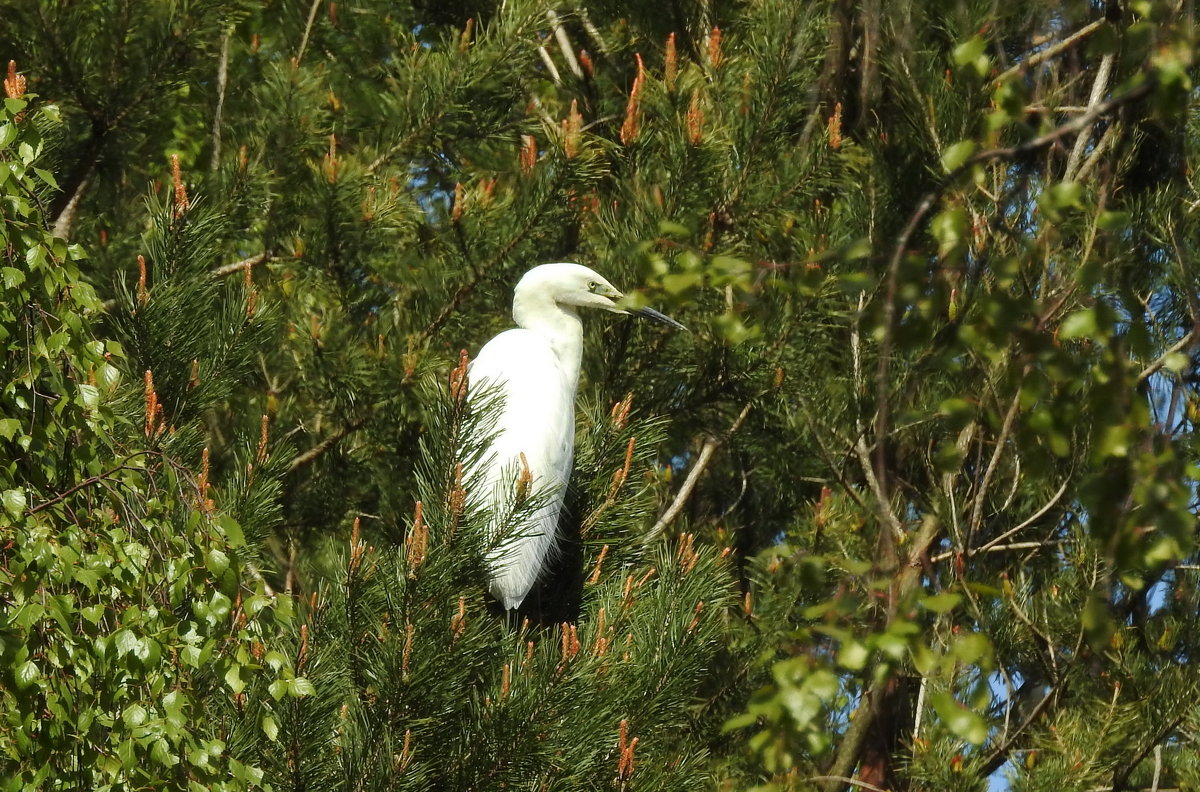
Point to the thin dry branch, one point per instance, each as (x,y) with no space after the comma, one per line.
(564,44)
(222,78)
(239,266)
(1099,87)
(711,444)
(994,462)
(314,453)
(1051,51)
(308,26)
(1161,361)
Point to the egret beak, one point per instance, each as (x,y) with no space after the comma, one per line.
(653,315)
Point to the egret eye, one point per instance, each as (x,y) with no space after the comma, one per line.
(593,286)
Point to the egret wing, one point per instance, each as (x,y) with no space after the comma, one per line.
(536,418)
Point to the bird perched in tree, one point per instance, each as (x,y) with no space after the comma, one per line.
(534,370)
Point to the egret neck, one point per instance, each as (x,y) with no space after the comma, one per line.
(534,309)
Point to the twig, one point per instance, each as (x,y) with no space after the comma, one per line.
(311,455)
(312,16)
(555,77)
(87,482)
(1101,146)
(860,442)
(222,78)
(238,266)
(1098,89)
(1030,545)
(1025,524)
(1051,51)
(993,463)
(919,709)
(711,444)
(850,781)
(564,44)
(826,456)
(1000,753)
(1178,346)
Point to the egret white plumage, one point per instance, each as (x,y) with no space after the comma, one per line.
(534,369)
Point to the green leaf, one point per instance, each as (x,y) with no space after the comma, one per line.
(1064,195)
(233,678)
(968,51)
(1080,324)
(941,603)
(14,277)
(134,715)
(217,562)
(126,642)
(9,427)
(14,502)
(853,655)
(233,531)
(26,674)
(89,395)
(958,719)
(270,728)
(301,687)
(949,228)
(957,154)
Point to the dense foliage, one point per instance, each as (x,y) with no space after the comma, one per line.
(912,506)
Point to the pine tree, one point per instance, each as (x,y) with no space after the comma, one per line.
(912,507)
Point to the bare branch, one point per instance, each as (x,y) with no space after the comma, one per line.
(1030,545)
(238,266)
(555,77)
(222,77)
(709,448)
(850,781)
(564,44)
(314,453)
(1098,89)
(1026,523)
(993,463)
(312,16)
(1051,51)
(1178,346)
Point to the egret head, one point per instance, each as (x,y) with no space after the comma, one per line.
(580,287)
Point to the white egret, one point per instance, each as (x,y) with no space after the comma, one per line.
(534,369)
